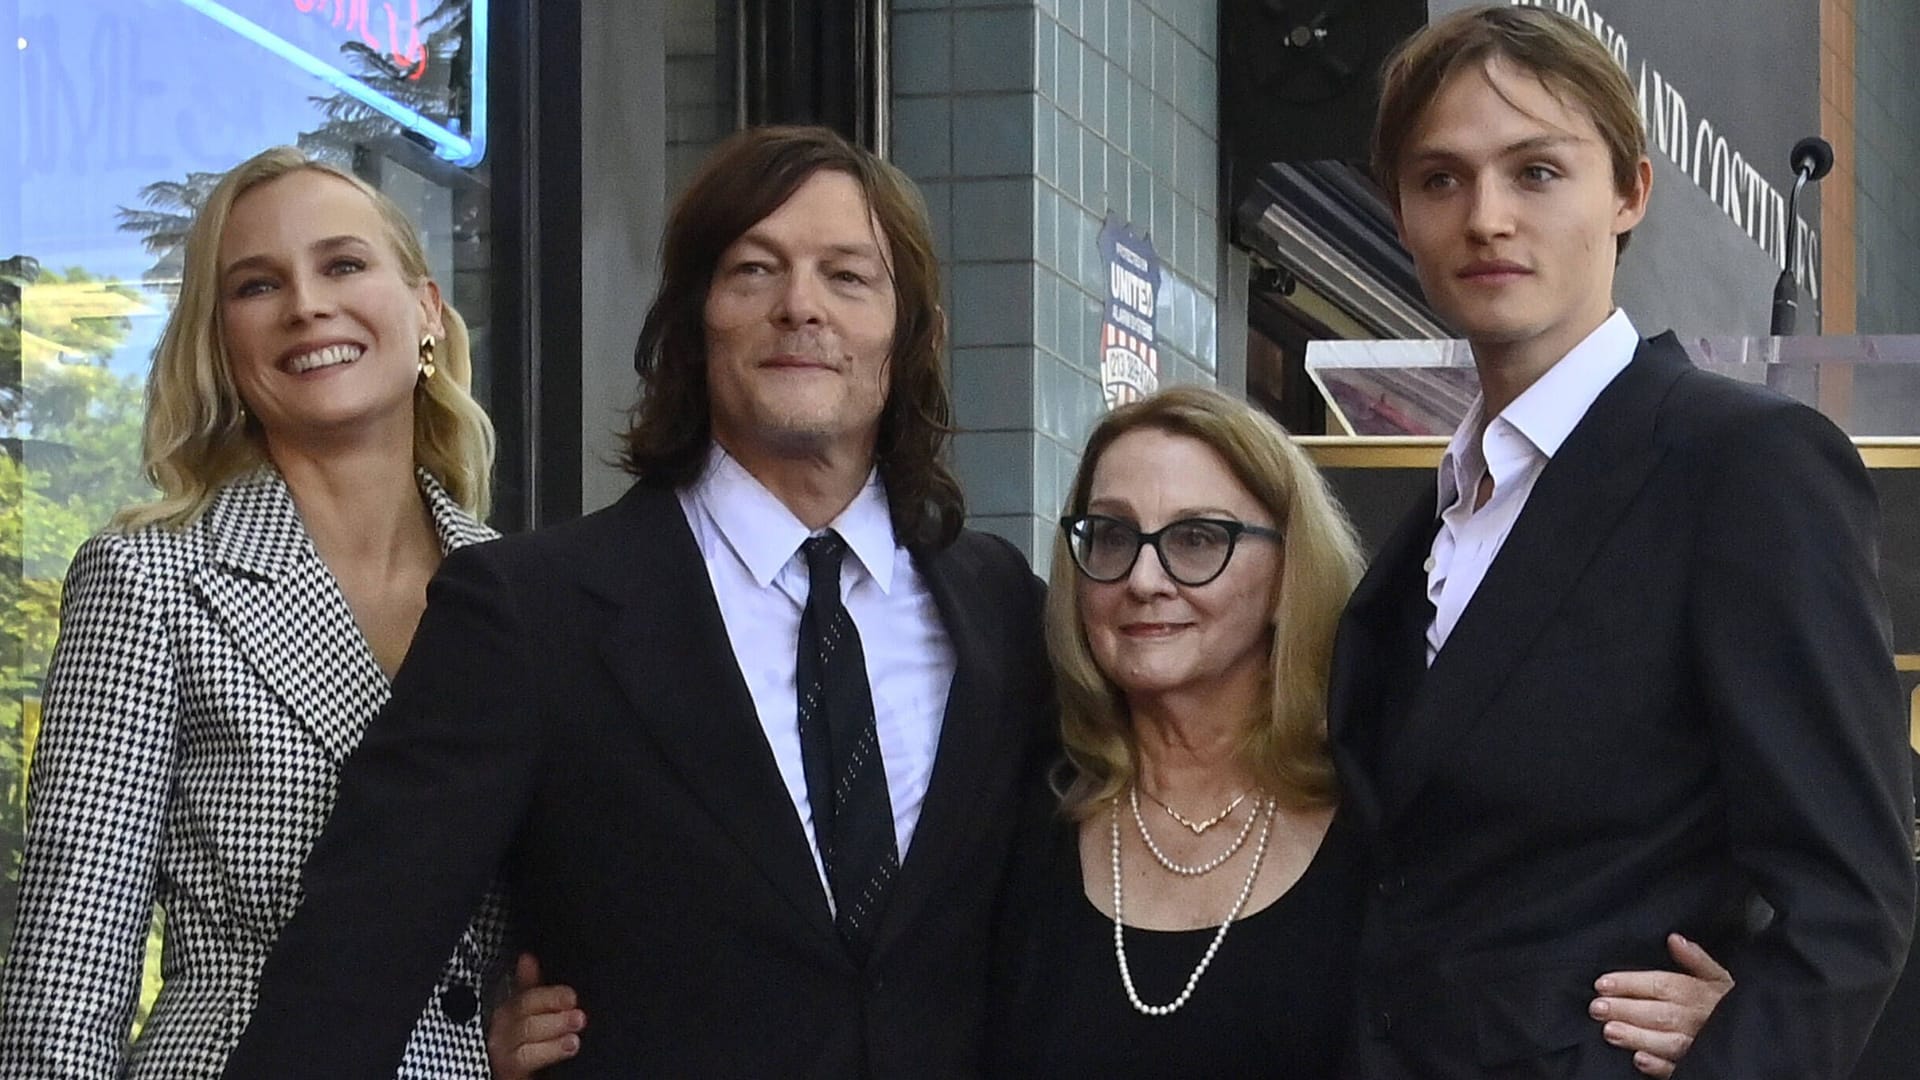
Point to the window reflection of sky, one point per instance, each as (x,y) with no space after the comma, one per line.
(403,53)
(113,95)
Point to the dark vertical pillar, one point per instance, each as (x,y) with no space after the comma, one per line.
(534,389)
(808,62)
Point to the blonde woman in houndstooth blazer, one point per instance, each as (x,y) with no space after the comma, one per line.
(223,649)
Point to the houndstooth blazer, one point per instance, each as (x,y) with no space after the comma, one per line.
(206,687)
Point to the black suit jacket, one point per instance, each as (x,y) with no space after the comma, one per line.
(1672,693)
(571,708)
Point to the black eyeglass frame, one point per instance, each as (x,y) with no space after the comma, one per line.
(1234,530)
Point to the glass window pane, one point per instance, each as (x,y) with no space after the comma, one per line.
(701,96)
(119,117)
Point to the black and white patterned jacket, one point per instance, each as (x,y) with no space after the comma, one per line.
(206,686)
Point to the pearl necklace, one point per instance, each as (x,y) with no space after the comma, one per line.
(1133,798)
(1239,904)
(1198,827)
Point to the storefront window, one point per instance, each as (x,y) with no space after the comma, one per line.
(702,105)
(120,115)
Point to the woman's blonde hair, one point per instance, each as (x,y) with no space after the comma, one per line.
(197,436)
(1285,747)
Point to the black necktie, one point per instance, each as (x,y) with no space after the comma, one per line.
(840,751)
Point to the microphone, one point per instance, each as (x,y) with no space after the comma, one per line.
(1813,156)
(1812,159)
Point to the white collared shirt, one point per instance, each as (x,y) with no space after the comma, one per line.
(1514,447)
(751,542)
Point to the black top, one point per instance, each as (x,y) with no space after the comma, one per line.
(1276,1001)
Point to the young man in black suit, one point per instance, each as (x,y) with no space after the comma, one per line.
(747,858)
(1628,670)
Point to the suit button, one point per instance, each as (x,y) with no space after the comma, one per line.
(459,1003)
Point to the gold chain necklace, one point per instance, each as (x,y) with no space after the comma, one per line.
(1133,799)
(1198,827)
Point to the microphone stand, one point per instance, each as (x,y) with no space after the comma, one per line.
(1812,159)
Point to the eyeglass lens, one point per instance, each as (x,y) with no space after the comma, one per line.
(1192,552)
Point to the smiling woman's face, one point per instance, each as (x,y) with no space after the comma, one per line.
(1150,634)
(322,331)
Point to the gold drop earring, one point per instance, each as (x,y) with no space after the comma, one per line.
(427,367)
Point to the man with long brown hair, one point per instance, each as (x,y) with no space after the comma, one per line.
(1626,670)
(747,742)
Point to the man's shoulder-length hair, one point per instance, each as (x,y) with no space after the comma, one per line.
(746,178)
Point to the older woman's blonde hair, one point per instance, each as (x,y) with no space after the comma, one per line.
(197,436)
(1285,743)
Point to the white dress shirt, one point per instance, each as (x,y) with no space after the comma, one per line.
(1513,448)
(751,542)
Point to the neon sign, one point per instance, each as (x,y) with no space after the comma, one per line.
(406,52)
(401,47)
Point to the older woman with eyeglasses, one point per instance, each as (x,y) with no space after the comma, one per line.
(1194,908)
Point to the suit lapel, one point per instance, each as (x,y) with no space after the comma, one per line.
(972,731)
(1376,604)
(1368,649)
(667,648)
(1571,511)
(456,528)
(283,611)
